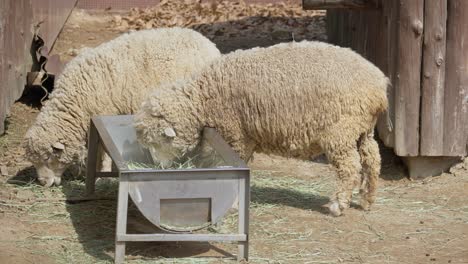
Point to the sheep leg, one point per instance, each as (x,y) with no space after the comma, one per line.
(370,160)
(347,164)
(244,149)
(104,160)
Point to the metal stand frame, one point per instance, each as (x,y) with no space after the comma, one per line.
(122,209)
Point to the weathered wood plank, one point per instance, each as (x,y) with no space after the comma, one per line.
(16,31)
(15,42)
(333,4)
(433,78)
(332,25)
(408,82)
(456,80)
(386,53)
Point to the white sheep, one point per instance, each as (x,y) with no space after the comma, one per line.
(296,100)
(112,78)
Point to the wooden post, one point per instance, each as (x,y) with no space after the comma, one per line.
(433,78)
(456,81)
(386,52)
(408,82)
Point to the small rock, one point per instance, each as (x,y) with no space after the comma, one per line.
(4,170)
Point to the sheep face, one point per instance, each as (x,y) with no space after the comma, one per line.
(49,159)
(161,140)
(166,125)
(49,172)
(50,164)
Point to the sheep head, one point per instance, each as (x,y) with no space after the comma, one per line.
(47,154)
(167,126)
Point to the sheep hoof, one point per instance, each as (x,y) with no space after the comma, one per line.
(46,182)
(334,208)
(365,205)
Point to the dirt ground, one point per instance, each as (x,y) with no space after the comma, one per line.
(411,222)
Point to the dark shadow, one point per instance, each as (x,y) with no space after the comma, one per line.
(24,177)
(6,125)
(94,222)
(393,168)
(33,94)
(288,197)
(251,36)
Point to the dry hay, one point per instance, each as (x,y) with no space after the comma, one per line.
(227,19)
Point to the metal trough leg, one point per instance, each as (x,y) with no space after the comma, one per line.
(121,228)
(91,166)
(244,199)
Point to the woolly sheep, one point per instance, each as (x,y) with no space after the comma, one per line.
(296,100)
(112,78)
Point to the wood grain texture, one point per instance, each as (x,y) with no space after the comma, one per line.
(15,61)
(408,82)
(17,20)
(385,58)
(456,84)
(433,78)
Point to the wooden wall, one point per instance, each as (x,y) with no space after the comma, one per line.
(17,20)
(421,46)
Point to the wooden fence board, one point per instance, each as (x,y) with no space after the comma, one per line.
(386,53)
(456,81)
(15,40)
(433,78)
(429,93)
(407,83)
(17,18)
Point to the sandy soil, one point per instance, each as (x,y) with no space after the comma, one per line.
(411,222)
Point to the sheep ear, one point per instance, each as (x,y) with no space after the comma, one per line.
(169,132)
(58,146)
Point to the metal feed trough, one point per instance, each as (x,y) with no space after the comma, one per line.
(178,201)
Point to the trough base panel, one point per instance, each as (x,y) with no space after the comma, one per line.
(422,167)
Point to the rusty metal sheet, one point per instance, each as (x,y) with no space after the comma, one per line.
(52,14)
